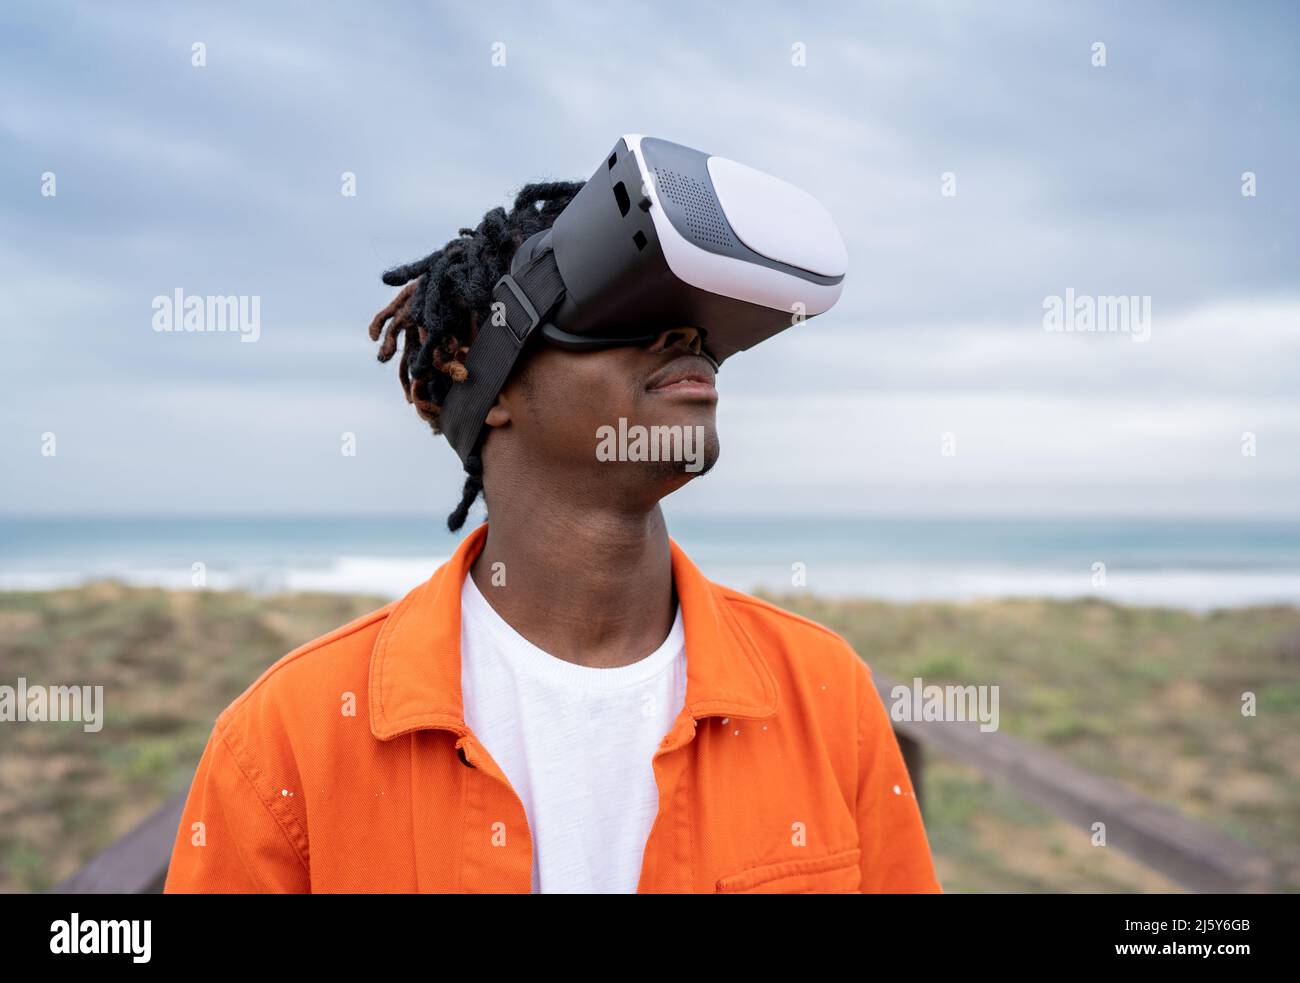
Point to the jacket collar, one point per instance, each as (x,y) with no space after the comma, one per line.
(415,663)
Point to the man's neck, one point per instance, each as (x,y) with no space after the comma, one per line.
(591,586)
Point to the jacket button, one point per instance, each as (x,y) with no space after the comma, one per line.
(460,753)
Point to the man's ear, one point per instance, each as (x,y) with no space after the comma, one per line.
(515,391)
(499,414)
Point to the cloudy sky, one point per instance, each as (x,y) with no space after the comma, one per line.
(1115,179)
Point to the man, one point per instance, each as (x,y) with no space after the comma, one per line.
(567,705)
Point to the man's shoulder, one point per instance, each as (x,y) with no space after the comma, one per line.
(332,667)
(787,635)
(815,668)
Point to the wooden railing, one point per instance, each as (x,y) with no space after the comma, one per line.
(136,863)
(1188,853)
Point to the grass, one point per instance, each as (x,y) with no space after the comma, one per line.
(168,662)
(1151,697)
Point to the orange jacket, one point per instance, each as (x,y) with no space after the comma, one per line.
(347,766)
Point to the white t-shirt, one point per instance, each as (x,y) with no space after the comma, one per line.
(575,742)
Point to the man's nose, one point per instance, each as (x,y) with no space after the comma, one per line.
(689,338)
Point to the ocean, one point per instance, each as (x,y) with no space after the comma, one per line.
(1197,565)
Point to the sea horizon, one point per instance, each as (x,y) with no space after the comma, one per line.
(1182,562)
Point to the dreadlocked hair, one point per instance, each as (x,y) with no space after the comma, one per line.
(443,299)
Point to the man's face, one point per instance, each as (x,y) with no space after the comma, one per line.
(644,417)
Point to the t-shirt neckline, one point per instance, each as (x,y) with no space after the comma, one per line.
(535,660)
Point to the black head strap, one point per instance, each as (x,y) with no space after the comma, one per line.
(527,297)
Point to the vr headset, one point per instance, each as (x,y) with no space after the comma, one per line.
(661,236)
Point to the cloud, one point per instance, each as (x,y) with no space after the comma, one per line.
(225,180)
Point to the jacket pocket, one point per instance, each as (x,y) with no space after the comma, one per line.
(836,873)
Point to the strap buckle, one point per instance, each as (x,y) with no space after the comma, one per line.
(533,317)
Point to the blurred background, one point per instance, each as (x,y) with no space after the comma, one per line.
(1104,524)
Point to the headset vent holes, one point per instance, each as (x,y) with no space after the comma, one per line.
(699,206)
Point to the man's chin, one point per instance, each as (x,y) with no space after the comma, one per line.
(679,472)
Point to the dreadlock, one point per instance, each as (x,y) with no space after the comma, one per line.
(442,300)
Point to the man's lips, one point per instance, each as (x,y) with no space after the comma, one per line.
(688,375)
